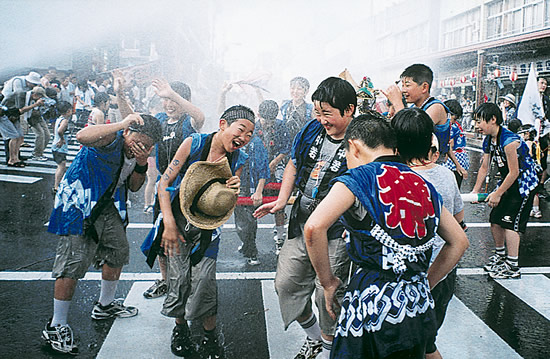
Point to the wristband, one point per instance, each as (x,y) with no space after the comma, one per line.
(141,169)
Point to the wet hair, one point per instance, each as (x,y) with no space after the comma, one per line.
(101,97)
(150,127)
(269,110)
(300,81)
(454,107)
(238,112)
(336,92)
(82,84)
(51,93)
(486,111)
(372,129)
(419,73)
(514,125)
(63,107)
(181,89)
(413,129)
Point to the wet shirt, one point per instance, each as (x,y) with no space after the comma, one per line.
(527,179)
(295,117)
(275,137)
(65,147)
(173,135)
(90,174)
(441,131)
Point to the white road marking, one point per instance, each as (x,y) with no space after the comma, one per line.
(19,179)
(472,338)
(531,289)
(32,276)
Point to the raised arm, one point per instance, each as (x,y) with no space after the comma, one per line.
(118,86)
(102,135)
(164,90)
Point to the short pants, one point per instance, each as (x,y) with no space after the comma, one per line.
(512,211)
(59,157)
(295,280)
(10,130)
(75,253)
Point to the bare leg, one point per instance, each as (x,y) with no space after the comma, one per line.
(162,266)
(434,355)
(64,288)
(512,243)
(59,172)
(499,235)
(110,273)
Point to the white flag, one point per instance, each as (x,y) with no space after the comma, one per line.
(530,108)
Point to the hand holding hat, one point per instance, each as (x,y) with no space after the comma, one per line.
(208,193)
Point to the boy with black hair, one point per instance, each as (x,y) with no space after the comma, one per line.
(297,112)
(236,129)
(391,215)
(457,143)
(90,216)
(416,84)
(413,128)
(317,157)
(60,147)
(276,139)
(511,201)
(529,134)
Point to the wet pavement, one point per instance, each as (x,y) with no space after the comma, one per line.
(245,315)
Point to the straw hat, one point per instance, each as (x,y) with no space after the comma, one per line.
(205,200)
(510,98)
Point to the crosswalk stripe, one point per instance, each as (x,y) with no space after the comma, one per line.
(19,179)
(463,336)
(30,169)
(131,337)
(532,289)
(282,344)
(471,339)
(133,276)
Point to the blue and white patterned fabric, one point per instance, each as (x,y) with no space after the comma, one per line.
(459,149)
(527,180)
(387,306)
(90,174)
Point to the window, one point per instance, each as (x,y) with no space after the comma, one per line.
(509,17)
(461,30)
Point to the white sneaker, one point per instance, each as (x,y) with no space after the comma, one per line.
(535,214)
(60,338)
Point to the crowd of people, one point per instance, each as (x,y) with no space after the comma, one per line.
(376,227)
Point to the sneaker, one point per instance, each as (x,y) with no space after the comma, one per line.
(39,158)
(158,289)
(116,309)
(211,349)
(536,214)
(253,261)
(60,338)
(310,349)
(494,261)
(181,344)
(505,271)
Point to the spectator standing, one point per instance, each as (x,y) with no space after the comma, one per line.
(458,144)
(508,109)
(60,147)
